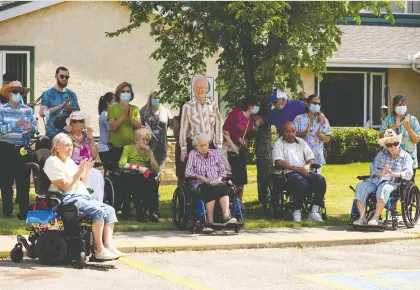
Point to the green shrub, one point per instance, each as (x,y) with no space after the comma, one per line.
(347,145)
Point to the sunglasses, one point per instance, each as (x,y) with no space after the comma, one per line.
(316,103)
(15,92)
(77,121)
(64,76)
(126,91)
(389,145)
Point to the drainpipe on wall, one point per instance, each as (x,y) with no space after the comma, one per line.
(413,65)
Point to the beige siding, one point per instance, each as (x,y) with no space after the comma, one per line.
(72,34)
(406,82)
(308,79)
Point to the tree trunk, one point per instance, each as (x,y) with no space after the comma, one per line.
(263,154)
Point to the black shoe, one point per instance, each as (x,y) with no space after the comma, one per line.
(22,216)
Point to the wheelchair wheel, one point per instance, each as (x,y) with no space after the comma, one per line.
(81,261)
(51,248)
(410,202)
(179,209)
(16,254)
(109,192)
(271,202)
(370,206)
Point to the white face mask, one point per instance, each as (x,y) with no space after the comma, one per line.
(401,110)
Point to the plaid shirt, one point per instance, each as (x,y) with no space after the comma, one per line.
(200,118)
(210,167)
(403,164)
(9,115)
(406,143)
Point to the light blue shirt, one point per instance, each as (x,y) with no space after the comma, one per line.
(52,98)
(9,115)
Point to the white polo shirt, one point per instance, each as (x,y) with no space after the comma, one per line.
(297,153)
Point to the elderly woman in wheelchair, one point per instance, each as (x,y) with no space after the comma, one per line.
(206,168)
(389,167)
(68,178)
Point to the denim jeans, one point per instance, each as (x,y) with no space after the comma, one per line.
(303,186)
(92,208)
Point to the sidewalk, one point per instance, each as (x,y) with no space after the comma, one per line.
(259,238)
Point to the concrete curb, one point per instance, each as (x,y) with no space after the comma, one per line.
(5,254)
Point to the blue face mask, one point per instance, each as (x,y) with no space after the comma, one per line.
(155,102)
(314,108)
(255,110)
(125,97)
(17,98)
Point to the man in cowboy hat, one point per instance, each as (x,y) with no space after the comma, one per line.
(389,166)
(16,119)
(7,78)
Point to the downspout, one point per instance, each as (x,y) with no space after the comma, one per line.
(413,65)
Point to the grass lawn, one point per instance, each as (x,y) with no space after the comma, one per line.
(339,198)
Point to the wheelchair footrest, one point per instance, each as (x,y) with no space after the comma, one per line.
(218,226)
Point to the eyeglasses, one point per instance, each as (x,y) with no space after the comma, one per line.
(77,121)
(126,91)
(14,92)
(316,103)
(64,76)
(201,89)
(389,145)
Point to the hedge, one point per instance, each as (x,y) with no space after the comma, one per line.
(347,145)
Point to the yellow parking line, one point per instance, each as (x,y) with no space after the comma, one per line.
(163,274)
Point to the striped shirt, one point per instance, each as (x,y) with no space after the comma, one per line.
(210,166)
(200,118)
(9,115)
(403,164)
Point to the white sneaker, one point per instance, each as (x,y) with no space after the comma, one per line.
(360,222)
(105,255)
(297,216)
(315,216)
(115,251)
(373,221)
(230,220)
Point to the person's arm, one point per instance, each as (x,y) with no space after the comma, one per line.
(220,166)
(153,163)
(74,102)
(184,129)
(7,127)
(413,128)
(135,118)
(374,167)
(170,120)
(309,155)
(279,158)
(92,146)
(386,124)
(189,170)
(218,140)
(229,123)
(59,179)
(33,122)
(324,133)
(301,130)
(407,170)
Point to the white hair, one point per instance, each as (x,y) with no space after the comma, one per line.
(200,78)
(201,137)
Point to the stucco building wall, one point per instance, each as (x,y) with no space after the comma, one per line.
(406,82)
(72,34)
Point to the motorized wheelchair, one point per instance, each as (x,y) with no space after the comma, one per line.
(58,232)
(188,209)
(407,194)
(277,202)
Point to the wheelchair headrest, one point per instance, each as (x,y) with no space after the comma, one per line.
(42,182)
(43,142)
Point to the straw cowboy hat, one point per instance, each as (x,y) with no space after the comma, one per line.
(390,137)
(76,115)
(14,86)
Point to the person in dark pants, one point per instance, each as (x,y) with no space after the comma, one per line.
(16,120)
(143,187)
(293,155)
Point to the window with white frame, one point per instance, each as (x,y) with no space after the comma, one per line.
(18,60)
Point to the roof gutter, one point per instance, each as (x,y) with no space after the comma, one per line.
(385,63)
(413,63)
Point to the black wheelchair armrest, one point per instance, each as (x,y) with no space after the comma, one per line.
(49,193)
(363,177)
(126,171)
(90,190)
(190,178)
(99,164)
(315,166)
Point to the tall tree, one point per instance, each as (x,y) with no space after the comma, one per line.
(264,45)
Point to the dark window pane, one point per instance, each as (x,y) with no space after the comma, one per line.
(17,63)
